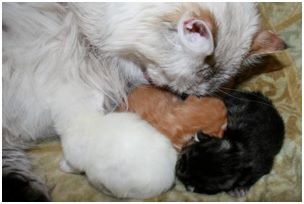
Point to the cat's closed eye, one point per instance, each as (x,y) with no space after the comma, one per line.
(172,30)
(170,27)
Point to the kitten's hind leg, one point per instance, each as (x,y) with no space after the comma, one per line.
(67,168)
(18,182)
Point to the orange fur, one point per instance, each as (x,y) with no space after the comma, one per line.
(177,119)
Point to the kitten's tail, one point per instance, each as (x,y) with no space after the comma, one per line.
(18,182)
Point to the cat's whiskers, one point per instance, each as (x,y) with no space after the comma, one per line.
(240,91)
(241,99)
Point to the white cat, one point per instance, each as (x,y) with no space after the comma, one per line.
(65,66)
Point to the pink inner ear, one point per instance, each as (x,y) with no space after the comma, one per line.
(194,26)
(196,35)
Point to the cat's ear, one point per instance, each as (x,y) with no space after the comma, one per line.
(196,34)
(266,42)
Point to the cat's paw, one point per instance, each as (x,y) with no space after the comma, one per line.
(238,192)
(67,168)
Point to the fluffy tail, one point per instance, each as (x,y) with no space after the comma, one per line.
(18,182)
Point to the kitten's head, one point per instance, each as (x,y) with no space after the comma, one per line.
(191,48)
(211,165)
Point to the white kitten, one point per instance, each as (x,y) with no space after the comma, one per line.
(134,162)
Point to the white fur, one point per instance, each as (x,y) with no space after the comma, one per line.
(66,65)
(158,43)
(134,162)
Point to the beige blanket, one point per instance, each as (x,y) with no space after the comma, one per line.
(279,80)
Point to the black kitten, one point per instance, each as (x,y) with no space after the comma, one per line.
(254,136)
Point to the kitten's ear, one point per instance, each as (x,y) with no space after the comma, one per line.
(266,42)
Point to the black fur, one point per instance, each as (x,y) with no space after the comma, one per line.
(254,135)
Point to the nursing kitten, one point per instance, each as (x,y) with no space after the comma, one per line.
(177,119)
(254,135)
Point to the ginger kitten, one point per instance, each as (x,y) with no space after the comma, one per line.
(177,119)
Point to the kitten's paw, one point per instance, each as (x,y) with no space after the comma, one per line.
(238,192)
(67,168)
(19,187)
(190,188)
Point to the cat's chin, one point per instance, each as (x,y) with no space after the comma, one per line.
(156,78)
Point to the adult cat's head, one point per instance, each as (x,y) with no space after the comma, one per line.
(192,48)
